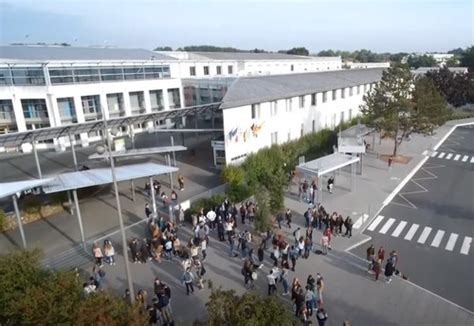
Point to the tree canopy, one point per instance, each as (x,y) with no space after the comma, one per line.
(296,51)
(399,106)
(456,88)
(226,308)
(163,48)
(362,55)
(416,61)
(33,295)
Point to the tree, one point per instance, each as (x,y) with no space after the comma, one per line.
(227,308)
(327,53)
(429,106)
(456,88)
(416,61)
(163,48)
(388,105)
(452,62)
(467,58)
(296,51)
(33,295)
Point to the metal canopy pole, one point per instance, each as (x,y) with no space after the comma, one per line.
(38,167)
(79,218)
(320,188)
(132,184)
(132,135)
(153,195)
(73,150)
(18,220)
(69,201)
(174,153)
(353,174)
(171,173)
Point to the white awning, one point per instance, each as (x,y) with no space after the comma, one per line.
(139,152)
(96,177)
(326,164)
(11,188)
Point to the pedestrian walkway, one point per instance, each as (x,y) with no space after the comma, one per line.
(424,235)
(450,156)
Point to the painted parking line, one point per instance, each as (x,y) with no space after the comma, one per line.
(375,223)
(437,239)
(457,157)
(387,225)
(466,245)
(399,229)
(451,241)
(441,155)
(434,154)
(424,235)
(411,232)
(448,157)
(425,152)
(472,159)
(464,159)
(360,221)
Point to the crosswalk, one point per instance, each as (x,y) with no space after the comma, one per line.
(450,156)
(421,234)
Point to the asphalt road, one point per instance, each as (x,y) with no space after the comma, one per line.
(431,222)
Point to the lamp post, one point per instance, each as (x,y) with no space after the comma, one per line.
(119,208)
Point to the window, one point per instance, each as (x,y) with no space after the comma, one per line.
(156,100)
(91,107)
(61,76)
(86,75)
(27,76)
(273,108)
(110,73)
(289,104)
(218,70)
(325,97)
(351,91)
(174,98)
(342,117)
(301,101)
(115,104)
(334,95)
(66,109)
(292,68)
(274,138)
(365,88)
(313,99)
(255,111)
(313,125)
(134,73)
(302,130)
(6,111)
(358,90)
(5,76)
(343,93)
(350,114)
(192,71)
(206,70)
(230,70)
(137,102)
(35,109)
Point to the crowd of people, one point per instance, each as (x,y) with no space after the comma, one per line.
(376,262)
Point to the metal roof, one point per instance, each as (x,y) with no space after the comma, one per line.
(252,56)
(326,164)
(101,176)
(64,53)
(139,152)
(18,138)
(250,90)
(11,188)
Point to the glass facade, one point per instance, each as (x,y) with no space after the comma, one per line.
(137,102)
(7,114)
(22,76)
(35,109)
(156,99)
(90,74)
(115,105)
(66,109)
(91,107)
(174,98)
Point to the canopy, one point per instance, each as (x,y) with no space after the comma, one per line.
(139,152)
(11,188)
(327,164)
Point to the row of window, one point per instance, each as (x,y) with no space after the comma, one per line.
(206,70)
(36,109)
(256,112)
(70,75)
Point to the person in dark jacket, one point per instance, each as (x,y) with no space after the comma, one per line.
(321,316)
(389,269)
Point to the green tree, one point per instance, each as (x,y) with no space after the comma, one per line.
(416,61)
(296,51)
(327,53)
(452,62)
(33,295)
(388,105)
(467,58)
(226,308)
(456,88)
(163,48)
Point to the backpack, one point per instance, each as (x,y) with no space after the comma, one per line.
(101,273)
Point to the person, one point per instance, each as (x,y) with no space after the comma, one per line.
(324,244)
(141,298)
(188,279)
(293,257)
(311,195)
(319,290)
(377,267)
(181,182)
(381,253)
(204,247)
(88,288)
(348,225)
(327,232)
(211,217)
(279,219)
(370,257)
(164,198)
(309,298)
(220,230)
(271,282)
(181,215)
(330,184)
(299,301)
(390,161)
(148,210)
(389,269)
(261,252)
(97,252)
(174,197)
(321,316)
(243,213)
(297,235)
(126,296)
(109,252)
(284,280)
(288,216)
(307,217)
(200,271)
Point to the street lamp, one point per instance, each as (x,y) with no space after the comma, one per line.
(117,198)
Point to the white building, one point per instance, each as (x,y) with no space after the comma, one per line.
(53,86)
(261,111)
(366,65)
(237,64)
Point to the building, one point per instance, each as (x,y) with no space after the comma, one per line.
(44,86)
(238,64)
(261,111)
(365,65)
(424,70)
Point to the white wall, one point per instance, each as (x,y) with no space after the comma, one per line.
(238,121)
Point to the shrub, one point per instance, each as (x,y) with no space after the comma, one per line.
(3,219)
(238,192)
(31,204)
(233,174)
(58,198)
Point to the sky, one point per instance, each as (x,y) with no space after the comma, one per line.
(378,25)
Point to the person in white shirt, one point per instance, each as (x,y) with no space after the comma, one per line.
(271,282)
(211,217)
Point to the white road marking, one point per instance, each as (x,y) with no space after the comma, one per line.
(466,245)
(411,232)
(472,159)
(375,223)
(448,157)
(451,241)
(441,155)
(464,159)
(399,229)
(425,152)
(424,235)
(434,154)
(387,226)
(457,157)
(437,239)
(360,221)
